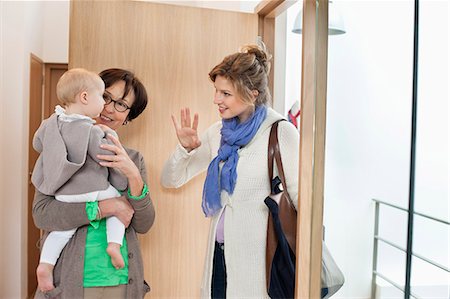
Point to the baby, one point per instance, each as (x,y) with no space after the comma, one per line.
(68,168)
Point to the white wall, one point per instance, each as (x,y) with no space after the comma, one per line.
(232,5)
(56,31)
(293,59)
(22,32)
(368,137)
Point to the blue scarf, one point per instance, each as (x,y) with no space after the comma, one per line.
(234,136)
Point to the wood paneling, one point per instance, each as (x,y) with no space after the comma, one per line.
(172,49)
(273,8)
(267,32)
(312,147)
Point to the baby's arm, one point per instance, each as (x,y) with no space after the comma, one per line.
(98,137)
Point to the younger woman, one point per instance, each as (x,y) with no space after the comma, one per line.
(234,153)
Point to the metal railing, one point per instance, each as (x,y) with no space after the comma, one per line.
(377,239)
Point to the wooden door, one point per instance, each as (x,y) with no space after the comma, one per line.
(172,49)
(43,80)
(53,71)
(33,235)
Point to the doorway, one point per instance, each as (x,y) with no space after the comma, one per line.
(43,80)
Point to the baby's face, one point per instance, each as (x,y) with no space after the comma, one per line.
(96,103)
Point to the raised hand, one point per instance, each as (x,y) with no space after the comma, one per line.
(120,160)
(186,134)
(123,163)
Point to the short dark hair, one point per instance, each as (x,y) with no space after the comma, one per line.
(111,76)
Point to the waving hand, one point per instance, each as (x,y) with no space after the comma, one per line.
(187,134)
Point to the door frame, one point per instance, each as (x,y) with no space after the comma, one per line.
(35,116)
(312,133)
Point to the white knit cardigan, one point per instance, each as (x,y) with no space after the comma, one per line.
(246,214)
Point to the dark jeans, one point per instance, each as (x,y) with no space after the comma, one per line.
(219,276)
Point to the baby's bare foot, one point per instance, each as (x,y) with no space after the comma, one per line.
(113,251)
(44,273)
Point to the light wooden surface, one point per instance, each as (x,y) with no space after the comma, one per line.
(312,147)
(172,49)
(273,8)
(266,30)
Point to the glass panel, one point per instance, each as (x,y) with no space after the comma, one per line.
(393,225)
(391,263)
(432,167)
(387,291)
(428,281)
(431,240)
(368,137)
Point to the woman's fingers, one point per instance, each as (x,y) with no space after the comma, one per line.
(111,158)
(183,117)
(116,148)
(188,117)
(115,140)
(185,114)
(111,147)
(195,124)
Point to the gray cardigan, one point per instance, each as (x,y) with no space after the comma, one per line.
(68,162)
(50,215)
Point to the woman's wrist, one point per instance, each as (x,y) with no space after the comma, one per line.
(135,185)
(143,194)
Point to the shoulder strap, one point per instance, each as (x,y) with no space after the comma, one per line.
(274,152)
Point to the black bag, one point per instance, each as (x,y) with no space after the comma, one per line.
(282,234)
(282,270)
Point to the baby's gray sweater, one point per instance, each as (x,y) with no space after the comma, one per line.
(68,162)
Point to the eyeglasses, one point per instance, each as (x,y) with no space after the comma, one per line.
(119,105)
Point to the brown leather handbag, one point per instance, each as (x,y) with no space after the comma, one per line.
(282,234)
(280,282)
